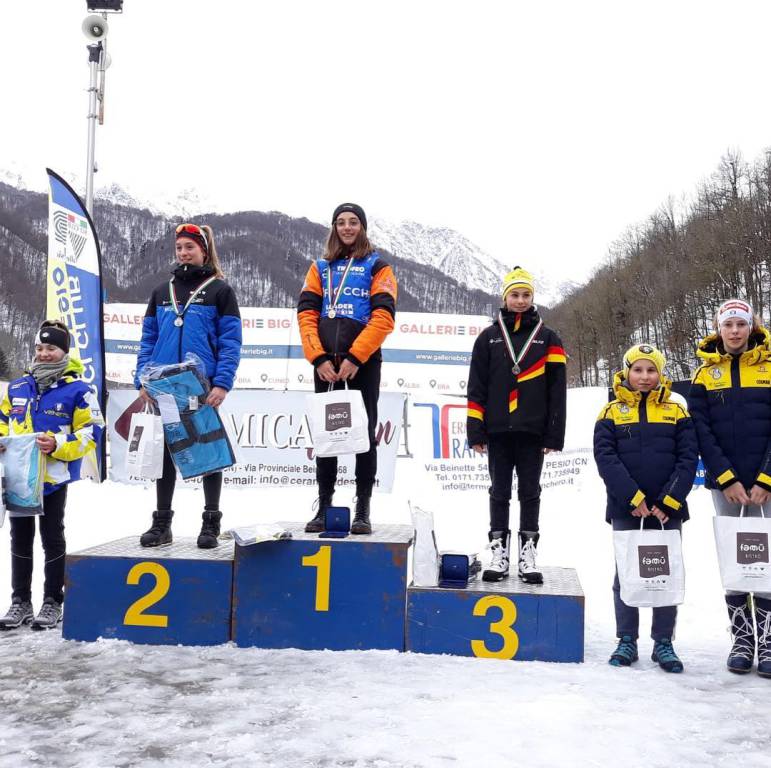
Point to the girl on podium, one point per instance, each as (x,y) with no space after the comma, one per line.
(516,412)
(53,401)
(346,310)
(194,312)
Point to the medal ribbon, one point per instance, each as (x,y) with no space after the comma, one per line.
(335,297)
(192,295)
(510,346)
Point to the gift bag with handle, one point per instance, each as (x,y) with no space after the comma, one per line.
(144,457)
(650,566)
(338,422)
(742,551)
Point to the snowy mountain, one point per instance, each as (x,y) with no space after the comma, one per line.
(455,255)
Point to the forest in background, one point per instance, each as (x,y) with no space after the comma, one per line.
(663,279)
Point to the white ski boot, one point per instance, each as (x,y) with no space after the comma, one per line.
(499,548)
(528,570)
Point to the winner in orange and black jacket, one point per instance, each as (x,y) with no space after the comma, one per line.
(342,331)
(516,411)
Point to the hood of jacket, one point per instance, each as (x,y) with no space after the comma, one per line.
(631,397)
(759,349)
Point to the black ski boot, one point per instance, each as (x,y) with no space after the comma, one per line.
(743,650)
(210,529)
(361,522)
(763,625)
(323,501)
(160,531)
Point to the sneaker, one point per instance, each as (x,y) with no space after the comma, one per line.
(626,652)
(528,570)
(665,655)
(49,616)
(19,614)
(499,556)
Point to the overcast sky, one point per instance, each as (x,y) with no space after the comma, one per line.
(540,130)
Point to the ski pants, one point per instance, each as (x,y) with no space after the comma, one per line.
(54,548)
(367,381)
(506,453)
(164,487)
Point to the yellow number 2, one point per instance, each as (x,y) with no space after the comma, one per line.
(502,627)
(135,615)
(322,561)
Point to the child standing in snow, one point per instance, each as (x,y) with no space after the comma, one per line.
(516,411)
(53,401)
(731,404)
(645,449)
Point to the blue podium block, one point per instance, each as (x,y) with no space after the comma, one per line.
(317,593)
(503,620)
(171,595)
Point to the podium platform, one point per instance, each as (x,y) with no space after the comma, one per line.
(319,593)
(501,620)
(177,594)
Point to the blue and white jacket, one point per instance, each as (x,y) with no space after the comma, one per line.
(68,410)
(211,328)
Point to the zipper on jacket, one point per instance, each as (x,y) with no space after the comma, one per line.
(643,412)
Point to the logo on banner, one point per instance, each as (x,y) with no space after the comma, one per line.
(60,227)
(654,561)
(751,548)
(337,416)
(448,424)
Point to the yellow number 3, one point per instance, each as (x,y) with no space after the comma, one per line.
(502,627)
(135,615)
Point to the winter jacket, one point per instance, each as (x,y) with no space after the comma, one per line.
(533,401)
(645,448)
(364,314)
(730,400)
(211,328)
(68,410)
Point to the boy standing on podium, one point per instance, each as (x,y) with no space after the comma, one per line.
(516,413)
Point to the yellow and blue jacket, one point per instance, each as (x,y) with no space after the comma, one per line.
(645,448)
(730,400)
(68,410)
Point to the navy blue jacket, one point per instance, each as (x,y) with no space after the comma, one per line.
(730,400)
(211,329)
(645,448)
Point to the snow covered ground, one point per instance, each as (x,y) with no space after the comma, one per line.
(113,704)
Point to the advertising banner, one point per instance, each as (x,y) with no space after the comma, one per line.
(274,447)
(425,353)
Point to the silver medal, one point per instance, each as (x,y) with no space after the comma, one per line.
(515,369)
(331,314)
(178,322)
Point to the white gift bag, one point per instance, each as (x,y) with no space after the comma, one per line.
(144,456)
(742,552)
(338,422)
(650,567)
(425,554)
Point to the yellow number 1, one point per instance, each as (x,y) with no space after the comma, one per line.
(322,561)
(501,627)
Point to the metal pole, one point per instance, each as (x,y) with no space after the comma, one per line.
(94,55)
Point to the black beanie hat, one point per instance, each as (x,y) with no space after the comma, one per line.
(357,210)
(53,334)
